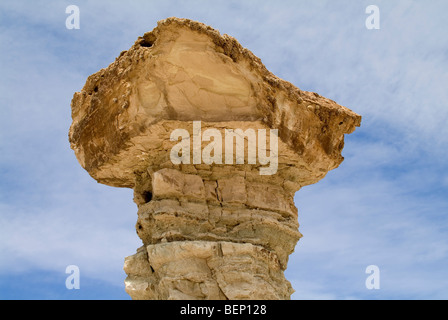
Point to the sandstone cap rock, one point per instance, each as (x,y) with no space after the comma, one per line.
(184,71)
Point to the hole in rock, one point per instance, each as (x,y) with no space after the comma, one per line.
(147,196)
(146,43)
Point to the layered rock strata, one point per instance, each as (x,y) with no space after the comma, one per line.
(210,230)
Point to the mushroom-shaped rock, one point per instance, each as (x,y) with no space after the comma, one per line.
(214,146)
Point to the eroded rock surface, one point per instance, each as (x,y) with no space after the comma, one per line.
(209,231)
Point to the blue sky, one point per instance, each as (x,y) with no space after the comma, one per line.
(386,205)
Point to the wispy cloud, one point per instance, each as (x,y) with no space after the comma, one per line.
(385,205)
(360,215)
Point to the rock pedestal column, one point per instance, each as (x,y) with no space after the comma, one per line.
(212,233)
(220,226)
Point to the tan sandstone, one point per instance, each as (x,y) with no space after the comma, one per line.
(208,231)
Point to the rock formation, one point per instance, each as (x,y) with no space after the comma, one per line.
(210,229)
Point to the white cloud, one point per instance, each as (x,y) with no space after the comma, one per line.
(96,235)
(366,219)
(384,205)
